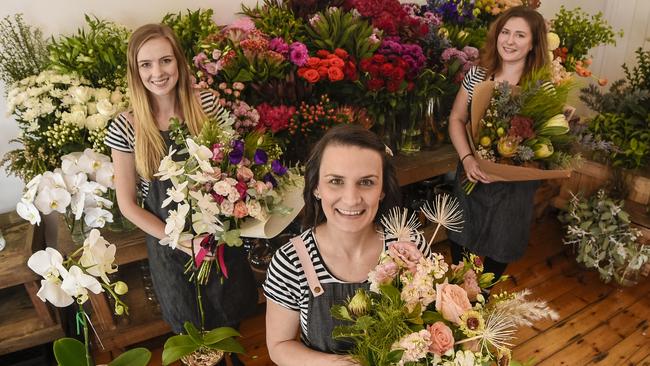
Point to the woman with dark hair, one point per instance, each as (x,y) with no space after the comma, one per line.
(160,88)
(350,183)
(497,215)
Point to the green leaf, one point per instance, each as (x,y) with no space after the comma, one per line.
(133,357)
(340,312)
(390,291)
(395,356)
(219,334)
(228,345)
(430,317)
(193,332)
(69,352)
(177,347)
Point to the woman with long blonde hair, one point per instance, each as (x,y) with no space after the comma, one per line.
(160,88)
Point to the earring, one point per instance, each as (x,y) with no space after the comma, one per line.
(317,195)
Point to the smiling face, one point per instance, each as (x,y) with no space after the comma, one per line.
(157,66)
(514,41)
(350,186)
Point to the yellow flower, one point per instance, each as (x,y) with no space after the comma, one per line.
(485,141)
(543,150)
(472,323)
(507,146)
(555,126)
(553,41)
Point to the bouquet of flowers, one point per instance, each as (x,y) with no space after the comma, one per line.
(518,131)
(69,280)
(77,190)
(58,114)
(422,311)
(224,179)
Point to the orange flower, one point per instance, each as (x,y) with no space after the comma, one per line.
(343,54)
(335,74)
(311,76)
(313,62)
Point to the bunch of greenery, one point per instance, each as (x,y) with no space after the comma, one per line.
(23,51)
(337,28)
(600,231)
(97,55)
(191,28)
(276,20)
(624,115)
(580,32)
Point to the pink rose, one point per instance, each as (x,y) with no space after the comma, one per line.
(240,210)
(451,302)
(405,254)
(470,285)
(244,174)
(260,187)
(382,274)
(442,340)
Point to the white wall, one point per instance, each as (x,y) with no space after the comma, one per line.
(65,16)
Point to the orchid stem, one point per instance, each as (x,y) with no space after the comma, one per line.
(89,360)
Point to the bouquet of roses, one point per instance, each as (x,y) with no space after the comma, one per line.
(77,190)
(420,310)
(222,179)
(520,131)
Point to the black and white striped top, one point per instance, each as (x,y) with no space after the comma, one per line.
(121,134)
(286,283)
(474,76)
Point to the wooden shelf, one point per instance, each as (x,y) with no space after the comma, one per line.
(21,322)
(425,164)
(19,235)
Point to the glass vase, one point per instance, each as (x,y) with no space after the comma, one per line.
(386,127)
(79,231)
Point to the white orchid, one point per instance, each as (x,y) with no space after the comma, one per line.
(28,212)
(70,163)
(97,217)
(77,284)
(31,189)
(98,256)
(175,223)
(51,291)
(52,199)
(205,203)
(104,175)
(49,264)
(168,168)
(203,223)
(201,153)
(90,161)
(176,194)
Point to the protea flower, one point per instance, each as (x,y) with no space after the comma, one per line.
(507,146)
(557,125)
(359,303)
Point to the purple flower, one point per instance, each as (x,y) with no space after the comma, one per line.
(278,168)
(269,178)
(278,45)
(260,157)
(237,152)
(298,54)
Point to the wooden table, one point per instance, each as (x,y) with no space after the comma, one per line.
(425,164)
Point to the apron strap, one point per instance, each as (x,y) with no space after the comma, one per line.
(307,266)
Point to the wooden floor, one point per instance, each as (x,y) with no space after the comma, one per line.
(600,324)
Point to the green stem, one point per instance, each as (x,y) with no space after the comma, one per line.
(89,360)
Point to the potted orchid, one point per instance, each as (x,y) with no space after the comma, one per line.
(69,280)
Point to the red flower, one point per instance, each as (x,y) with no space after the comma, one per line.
(335,74)
(322,71)
(336,62)
(365,64)
(393,86)
(343,54)
(375,84)
(311,76)
(374,70)
(397,74)
(322,53)
(301,71)
(410,86)
(241,187)
(379,59)
(350,71)
(399,62)
(313,62)
(386,70)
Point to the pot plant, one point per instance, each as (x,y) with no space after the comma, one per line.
(599,230)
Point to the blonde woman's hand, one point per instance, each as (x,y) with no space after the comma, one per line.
(473,171)
(184,246)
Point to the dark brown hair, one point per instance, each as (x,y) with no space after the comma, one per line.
(536,59)
(348,135)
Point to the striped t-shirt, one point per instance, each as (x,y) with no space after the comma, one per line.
(121,134)
(474,76)
(286,283)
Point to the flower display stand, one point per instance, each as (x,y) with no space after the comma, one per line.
(25,320)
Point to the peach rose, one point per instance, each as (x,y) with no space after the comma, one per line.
(244,173)
(470,285)
(451,302)
(240,210)
(442,340)
(382,274)
(405,254)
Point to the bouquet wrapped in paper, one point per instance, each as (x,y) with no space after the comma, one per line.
(520,133)
(226,185)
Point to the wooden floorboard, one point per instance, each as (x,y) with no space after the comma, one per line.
(600,324)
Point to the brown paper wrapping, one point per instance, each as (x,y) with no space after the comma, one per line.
(494,171)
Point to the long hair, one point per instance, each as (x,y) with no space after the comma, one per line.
(348,135)
(537,58)
(149,144)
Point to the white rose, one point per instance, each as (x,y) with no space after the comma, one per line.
(105,108)
(255,210)
(78,108)
(92,107)
(81,94)
(102,93)
(116,97)
(227,207)
(96,122)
